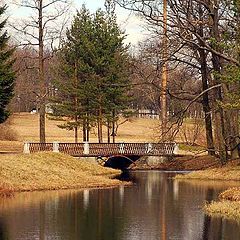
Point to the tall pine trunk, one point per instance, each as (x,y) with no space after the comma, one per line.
(108,131)
(113,127)
(87,128)
(76,102)
(100,129)
(76,134)
(42,110)
(84,130)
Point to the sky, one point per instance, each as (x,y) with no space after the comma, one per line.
(127,21)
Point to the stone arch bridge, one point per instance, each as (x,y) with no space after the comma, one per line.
(117,155)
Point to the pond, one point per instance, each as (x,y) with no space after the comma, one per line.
(154,207)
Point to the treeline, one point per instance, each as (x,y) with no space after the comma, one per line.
(86,79)
(91,79)
(202,37)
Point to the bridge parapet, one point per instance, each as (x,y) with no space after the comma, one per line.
(105,149)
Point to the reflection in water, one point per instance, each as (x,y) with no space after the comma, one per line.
(156,207)
(3,234)
(85,198)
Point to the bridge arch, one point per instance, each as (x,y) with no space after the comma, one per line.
(121,161)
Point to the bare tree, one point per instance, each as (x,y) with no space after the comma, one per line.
(42,30)
(198,27)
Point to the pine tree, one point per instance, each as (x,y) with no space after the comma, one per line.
(7,75)
(93,62)
(75,95)
(111,67)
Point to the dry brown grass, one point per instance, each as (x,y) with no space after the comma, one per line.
(228,172)
(26,128)
(11,146)
(226,209)
(231,194)
(228,206)
(7,133)
(48,171)
(26,125)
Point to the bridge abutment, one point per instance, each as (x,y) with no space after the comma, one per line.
(153,161)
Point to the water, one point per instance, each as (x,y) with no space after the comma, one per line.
(155,207)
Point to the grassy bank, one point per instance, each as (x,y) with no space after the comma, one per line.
(185,163)
(48,171)
(229,172)
(228,204)
(226,209)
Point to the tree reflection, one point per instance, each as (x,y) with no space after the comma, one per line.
(154,208)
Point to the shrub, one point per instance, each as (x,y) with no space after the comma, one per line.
(7,133)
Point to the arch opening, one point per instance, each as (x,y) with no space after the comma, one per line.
(121,162)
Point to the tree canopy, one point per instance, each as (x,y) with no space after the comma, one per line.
(7,75)
(92,88)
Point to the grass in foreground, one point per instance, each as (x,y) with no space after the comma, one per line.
(49,171)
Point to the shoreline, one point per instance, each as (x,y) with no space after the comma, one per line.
(52,171)
(185,163)
(228,203)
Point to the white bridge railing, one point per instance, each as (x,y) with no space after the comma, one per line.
(105,149)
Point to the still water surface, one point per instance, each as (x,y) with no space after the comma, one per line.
(155,207)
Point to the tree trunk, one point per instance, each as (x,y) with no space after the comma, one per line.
(205,101)
(164,75)
(113,127)
(76,102)
(88,128)
(84,131)
(219,115)
(232,132)
(76,134)
(108,131)
(42,110)
(206,105)
(100,136)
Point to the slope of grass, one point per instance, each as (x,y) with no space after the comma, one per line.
(45,171)
(221,173)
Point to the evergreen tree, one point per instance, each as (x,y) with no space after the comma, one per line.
(111,68)
(72,99)
(94,63)
(6,73)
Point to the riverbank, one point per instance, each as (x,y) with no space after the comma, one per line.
(184,163)
(228,203)
(51,171)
